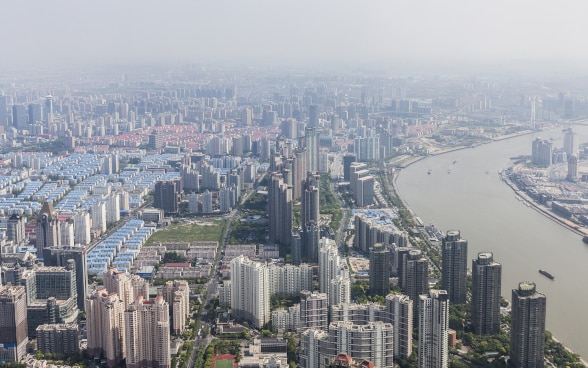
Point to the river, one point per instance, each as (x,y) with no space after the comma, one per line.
(473,199)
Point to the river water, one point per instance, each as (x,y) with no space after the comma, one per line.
(473,199)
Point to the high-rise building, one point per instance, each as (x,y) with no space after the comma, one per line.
(13,323)
(51,295)
(310,200)
(60,256)
(112,208)
(379,273)
(400,314)
(311,143)
(280,209)
(433,329)
(82,227)
(250,297)
(58,338)
(4,103)
(570,142)
(372,341)
(47,229)
(20,117)
(414,277)
(147,334)
(486,287)
(313,116)
(454,251)
(98,215)
(347,160)
(310,242)
(48,109)
(314,310)
(35,113)
(541,153)
(15,228)
(126,286)
(527,326)
(155,141)
(167,195)
(66,232)
(572,167)
(105,326)
(177,295)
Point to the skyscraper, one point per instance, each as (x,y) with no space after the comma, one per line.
(310,199)
(570,142)
(20,117)
(35,113)
(311,142)
(13,323)
(527,326)
(414,277)
(60,256)
(486,281)
(47,229)
(155,140)
(49,109)
(128,287)
(379,273)
(147,333)
(105,326)
(4,103)
(400,314)
(454,271)
(167,195)
(314,310)
(433,328)
(250,296)
(177,294)
(280,209)
(15,229)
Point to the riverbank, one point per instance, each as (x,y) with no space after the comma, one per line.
(422,167)
(543,210)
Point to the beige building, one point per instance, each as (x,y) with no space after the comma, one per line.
(147,333)
(126,286)
(177,294)
(105,326)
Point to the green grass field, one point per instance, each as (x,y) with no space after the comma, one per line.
(224,363)
(185,232)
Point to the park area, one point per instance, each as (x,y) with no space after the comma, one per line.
(189,232)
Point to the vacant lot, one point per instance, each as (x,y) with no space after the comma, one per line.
(189,232)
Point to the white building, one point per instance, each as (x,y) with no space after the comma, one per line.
(289,279)
(250,294)
(112,208)
(400,310)
(433,327)
(82,228)
(67,233)
(98,214)
(333,273)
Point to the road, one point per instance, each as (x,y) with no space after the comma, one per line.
(212,284)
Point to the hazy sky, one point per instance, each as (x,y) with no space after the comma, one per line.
(306,31)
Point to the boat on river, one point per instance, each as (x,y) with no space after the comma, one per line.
(547,274)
